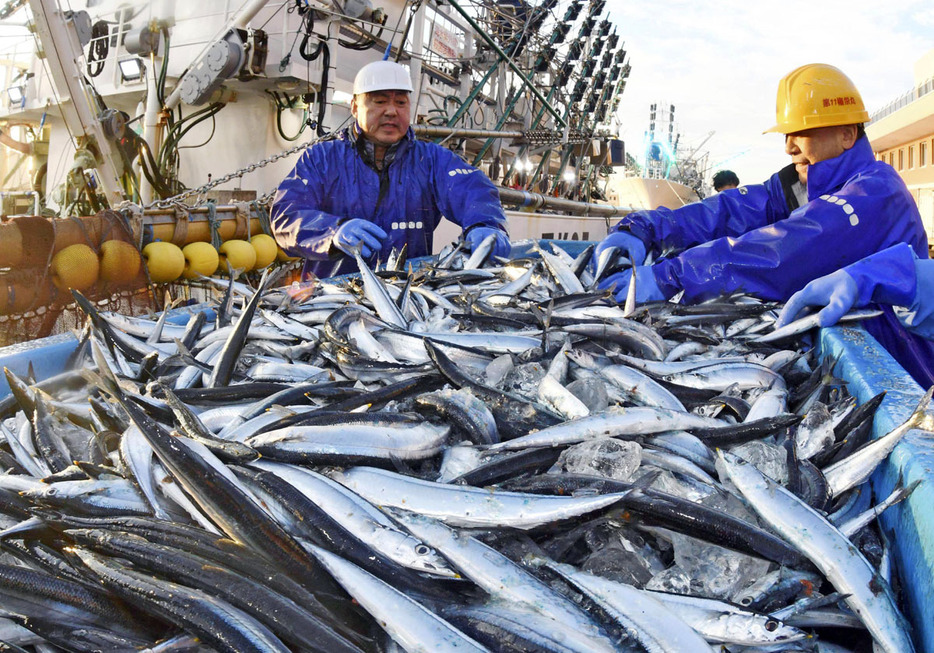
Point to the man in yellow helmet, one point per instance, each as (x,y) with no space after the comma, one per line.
(834,205)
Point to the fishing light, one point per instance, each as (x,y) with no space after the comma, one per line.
(569,176)
(131,70)
(17,95)
(340,97)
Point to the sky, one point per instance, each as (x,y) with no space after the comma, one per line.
(719,63)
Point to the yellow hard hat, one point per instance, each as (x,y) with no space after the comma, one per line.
(817,95)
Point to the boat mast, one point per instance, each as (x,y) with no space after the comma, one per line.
(58,32)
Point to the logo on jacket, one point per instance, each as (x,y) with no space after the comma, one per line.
(407,225)
(847,208)
(461,171)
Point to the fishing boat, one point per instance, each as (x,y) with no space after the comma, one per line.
(149,121)
(145,118)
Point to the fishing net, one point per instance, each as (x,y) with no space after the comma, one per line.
(33,307)
(52,312)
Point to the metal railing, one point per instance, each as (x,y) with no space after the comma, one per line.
(903,100)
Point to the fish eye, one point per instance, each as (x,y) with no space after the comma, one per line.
(422,549)
(746,600)
(771,625)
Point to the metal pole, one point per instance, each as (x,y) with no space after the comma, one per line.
(432,131)
(152,135)
(59,39)
(537,200)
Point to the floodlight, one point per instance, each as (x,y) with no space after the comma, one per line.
(131,70)
(341,97)
(17,95)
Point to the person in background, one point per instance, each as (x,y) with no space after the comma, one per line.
(834,205)
(724,180)
(892,277)
(376,188)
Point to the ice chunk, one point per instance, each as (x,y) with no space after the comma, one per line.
(672,580)
(592,391)
(769,459)
(715,572)
(458,460)
(524,379)
(608,457)
(678,485)
(626,559)
(497,370)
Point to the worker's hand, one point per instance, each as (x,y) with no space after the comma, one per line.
(501,246)
(837,292)
(359,233)
(634,248)
(647,289)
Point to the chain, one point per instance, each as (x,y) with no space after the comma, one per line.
(178,201)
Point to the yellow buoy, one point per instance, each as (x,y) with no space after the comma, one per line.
(239,254)
(282,257)
(75,267)
(200,259)
(266,250)
(165,261)
(119,261)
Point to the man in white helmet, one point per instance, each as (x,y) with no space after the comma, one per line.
(377,188)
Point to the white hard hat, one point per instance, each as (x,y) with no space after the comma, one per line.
(382,76)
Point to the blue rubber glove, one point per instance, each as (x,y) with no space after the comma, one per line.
(624,240)
(837,292)
(647,289)
(359,233)
(921,310)
(501,246)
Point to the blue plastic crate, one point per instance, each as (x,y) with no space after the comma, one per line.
(909,526)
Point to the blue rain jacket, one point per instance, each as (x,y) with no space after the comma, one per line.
(896,276)
(423,183)
(752,239)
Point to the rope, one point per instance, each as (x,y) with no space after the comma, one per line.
(215,224)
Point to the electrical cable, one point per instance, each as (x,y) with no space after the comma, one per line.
(308,25)
(213,129)
(280,109)
(322,95)
(160,83)
(99,48)
(365,42)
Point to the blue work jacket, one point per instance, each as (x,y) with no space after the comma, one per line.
(756,240)
(331,183)
(897,277)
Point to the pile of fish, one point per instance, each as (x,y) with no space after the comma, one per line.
(455,457)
